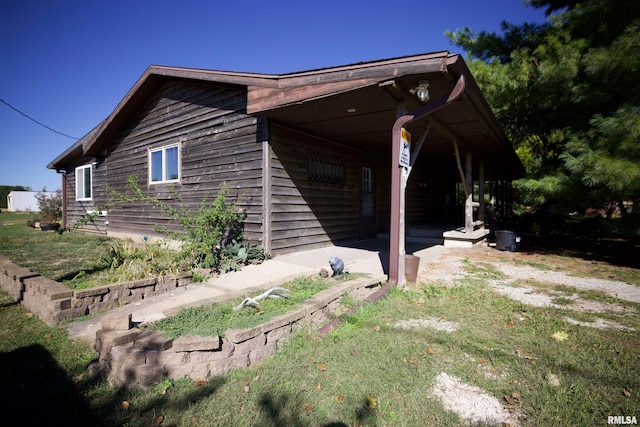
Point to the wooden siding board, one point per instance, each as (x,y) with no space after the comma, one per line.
(305,214)
(219,144)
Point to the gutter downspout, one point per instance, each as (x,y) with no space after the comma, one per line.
(396,250)
(63,175)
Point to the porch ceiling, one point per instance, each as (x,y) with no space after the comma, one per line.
(368,128)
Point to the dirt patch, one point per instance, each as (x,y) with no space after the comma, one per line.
(471,403)
(529,295)
(599,323)
(438,324)
(453,265)
(614,288)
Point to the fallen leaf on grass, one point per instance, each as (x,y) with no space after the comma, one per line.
(246,389)
(510,323)
(626,392)
(124,405)
(560,336)
(48,336)
(524,356)
(307,409)
(159,420)
(319,386)
(200,382)
(553,380)
(29,315)
(372,402)
(356,377)
(430,351)
(322,367)
(340,398)
(513,398)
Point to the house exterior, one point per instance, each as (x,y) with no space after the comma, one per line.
(25,201)
(308,154)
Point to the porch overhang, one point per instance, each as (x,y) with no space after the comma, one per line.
(357,106)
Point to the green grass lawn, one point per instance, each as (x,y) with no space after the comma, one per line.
(57,256)
(369,372)
(214,319)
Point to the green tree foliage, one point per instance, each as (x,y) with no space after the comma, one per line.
(566,93)
(5,190)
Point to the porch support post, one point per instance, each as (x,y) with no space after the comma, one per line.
(468,206)
(266,186)
(396,228)
(481,208)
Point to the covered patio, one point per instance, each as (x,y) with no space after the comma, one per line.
(457,160)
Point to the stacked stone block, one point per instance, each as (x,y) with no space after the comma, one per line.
(54,302)
(131,357)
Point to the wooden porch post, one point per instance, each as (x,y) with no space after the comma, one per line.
(468,206)
(481,208)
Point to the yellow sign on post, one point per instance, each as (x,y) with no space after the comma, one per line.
(405,148)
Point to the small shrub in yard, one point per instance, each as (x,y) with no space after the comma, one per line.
(50,208)
(210,236)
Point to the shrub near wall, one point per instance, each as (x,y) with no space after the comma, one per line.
(54,302)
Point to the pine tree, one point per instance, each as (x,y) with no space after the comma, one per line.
(567,95)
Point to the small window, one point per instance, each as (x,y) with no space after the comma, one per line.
(164,164)
(323,169)
(83,183)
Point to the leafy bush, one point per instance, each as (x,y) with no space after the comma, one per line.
(50,207)
(210,235)
(234,255)
(128,262)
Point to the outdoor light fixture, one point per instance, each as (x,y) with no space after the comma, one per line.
(421,91)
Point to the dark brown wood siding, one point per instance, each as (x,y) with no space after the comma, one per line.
(219,144)
(304,213)
(77,209)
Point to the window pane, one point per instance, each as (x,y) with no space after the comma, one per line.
(87,183)
(172,163)
(156,166)
(79,184)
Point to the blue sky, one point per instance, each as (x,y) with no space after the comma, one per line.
(68,64)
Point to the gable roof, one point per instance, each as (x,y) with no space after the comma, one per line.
(352,104)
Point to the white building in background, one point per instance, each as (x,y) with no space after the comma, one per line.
(25,201)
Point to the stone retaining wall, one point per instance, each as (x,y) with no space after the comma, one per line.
(53,302)
(130,356)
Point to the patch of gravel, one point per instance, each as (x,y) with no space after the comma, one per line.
(530,296)
(614,288)
(438,324)
(470,402)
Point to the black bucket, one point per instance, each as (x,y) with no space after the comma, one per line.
(507,240)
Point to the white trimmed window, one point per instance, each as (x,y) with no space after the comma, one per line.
(84,183)
(164,164)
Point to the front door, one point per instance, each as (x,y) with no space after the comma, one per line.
(367,204)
